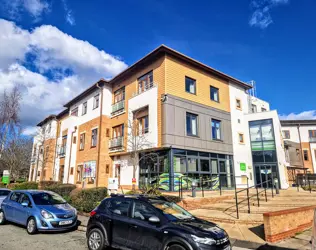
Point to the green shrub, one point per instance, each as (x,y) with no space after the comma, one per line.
(21,180)
(23,186)
(133,192)
(2,185)
(44,184)
(85,200)
(151,190)
(63,190)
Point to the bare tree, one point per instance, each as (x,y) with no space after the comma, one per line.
(137,140)
(9,116)
(16,157)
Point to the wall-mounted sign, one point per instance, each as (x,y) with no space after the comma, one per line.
(89,169)
(243,166)
(133,181)
(113,184)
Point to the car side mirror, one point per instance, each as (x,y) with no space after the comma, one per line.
(24,204)
(154,219)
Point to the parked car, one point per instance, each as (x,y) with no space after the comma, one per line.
(3,194)
(140,222)
(38,211)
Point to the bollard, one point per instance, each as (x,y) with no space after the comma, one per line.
(276,184)
(193,189)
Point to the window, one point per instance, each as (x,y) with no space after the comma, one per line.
(193,165)
(238,103)
(15,196)
(214,94)
(216,130)
(238,120)
(312,133)
(119,95)
(141,121)
(107,132)
(84,108)
(119,207)
(145,82)
(74,140)
(38,173)
(190,85)
(94,139)
(82,141)
(142,211)
(96,101)
(305,152)
(205,165)
(263,109)
(253,108)
(118,131)
(79,173)
(25,199)
(241,138)
(192,124)
(74,112)
(41,150)
(62,151)
(286,134)
(71,171)
(107,168)
(46,153)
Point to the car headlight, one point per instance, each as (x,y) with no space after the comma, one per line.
(204,240)
(75,212)
(46,214)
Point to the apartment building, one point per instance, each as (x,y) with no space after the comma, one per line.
(186,121)
(300,146)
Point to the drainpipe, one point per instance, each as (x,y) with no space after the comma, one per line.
(57,132)
(299,136)
(99,135)
(69,161)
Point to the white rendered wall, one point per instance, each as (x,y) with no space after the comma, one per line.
(126,170)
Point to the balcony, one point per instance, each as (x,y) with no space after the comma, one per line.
(118,107)
(312,139)
(147,86)
(116,144)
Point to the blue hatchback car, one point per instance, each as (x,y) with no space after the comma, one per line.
(38,211)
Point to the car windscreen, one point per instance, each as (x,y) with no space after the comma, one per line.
(171,210)
(47,199)
(4,192)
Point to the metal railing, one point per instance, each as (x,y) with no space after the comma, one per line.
(199,184)
(116,142)
(306,181)
(264,185)
(119,106)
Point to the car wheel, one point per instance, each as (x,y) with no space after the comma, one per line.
(31,227)
(96,239)
(2,218)
(176,247)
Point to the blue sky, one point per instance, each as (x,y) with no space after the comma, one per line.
(269,41)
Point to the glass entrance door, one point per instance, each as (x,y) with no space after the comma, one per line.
(265,173)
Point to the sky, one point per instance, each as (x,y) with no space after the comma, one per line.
(54,49)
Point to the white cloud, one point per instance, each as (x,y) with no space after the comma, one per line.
(35,8)
(30,131)
(69,14)
(305,115)
(261,16)
(53,52)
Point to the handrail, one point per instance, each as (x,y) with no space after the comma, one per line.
(256,186)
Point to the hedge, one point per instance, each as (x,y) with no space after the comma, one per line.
(23,186)
(2,185)
(85,200)
(44,184)
(63,190)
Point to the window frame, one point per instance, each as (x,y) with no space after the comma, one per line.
(220,130)
(307,156)
(121,200)
(286,132)
(118,128)
(74,111)
(96,101)
(82,144)
(120,93)
(240,104)
(143,80)
(84,108)
(197,124)
(93,145)
(243,138)
(185,82)
(217,89)
(79,173)
(148,206)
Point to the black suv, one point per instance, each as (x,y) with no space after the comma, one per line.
(143,222)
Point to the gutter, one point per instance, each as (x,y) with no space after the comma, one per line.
(99,135)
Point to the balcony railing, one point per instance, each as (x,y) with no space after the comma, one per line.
(116,142)
(147,86)
(119,106)
(62,151)
(312,139)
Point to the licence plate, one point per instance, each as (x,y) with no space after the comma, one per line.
(65,222)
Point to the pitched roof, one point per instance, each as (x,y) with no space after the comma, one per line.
(48,118)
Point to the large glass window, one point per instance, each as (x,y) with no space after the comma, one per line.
(216,130)
(179,163)
(214,166)
(193,165)
(145,82)
(205,165)
(192,124)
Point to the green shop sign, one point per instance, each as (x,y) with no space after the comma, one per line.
(243,167)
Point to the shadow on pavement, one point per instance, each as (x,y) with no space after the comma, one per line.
(258,230)
(268,247)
